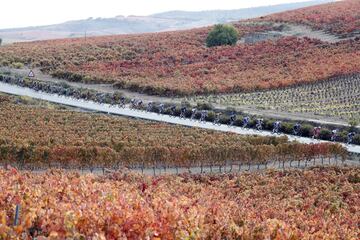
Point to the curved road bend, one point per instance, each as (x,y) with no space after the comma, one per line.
(106,108)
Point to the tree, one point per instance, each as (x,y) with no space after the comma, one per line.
(0,41)
(222,35)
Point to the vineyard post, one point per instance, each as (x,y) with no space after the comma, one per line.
(283,162)
(17,214)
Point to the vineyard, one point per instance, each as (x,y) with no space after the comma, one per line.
(339,97)
(35,136)
(320,203)
(338,18)
(74,171)
(179,63)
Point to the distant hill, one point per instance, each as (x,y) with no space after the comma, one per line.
(174,20)
(221,16)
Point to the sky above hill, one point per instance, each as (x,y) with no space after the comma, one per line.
(23,13)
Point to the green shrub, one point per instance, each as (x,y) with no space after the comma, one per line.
(342,136)
(17,65)
(204,106)
(353,122)
(269,124)
(222,35)
(211,116)
(325,134)
(87,79)
(287,127)
(4,63)
(307,130)
(356,139)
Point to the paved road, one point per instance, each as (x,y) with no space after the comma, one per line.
(106,108)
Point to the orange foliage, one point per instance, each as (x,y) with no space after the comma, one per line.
(321,203)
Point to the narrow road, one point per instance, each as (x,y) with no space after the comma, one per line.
(106,108)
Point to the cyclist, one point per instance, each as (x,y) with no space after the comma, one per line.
(232,119)
(259,124)
(316,132)
(183,112)
(334,134)
(217,118)
(277,126)
(122,102)
(193,113)
(149,106)
(173,110)
(246,121)
(161,108)
(350,137)
(203,116)
(133,103)
(139,104)
(296,129)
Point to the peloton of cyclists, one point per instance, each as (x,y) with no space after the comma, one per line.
(138,104)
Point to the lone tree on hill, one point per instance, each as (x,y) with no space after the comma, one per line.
(222,35)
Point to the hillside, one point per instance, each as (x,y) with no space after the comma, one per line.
(178,63)
(174,20)
(340,18)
